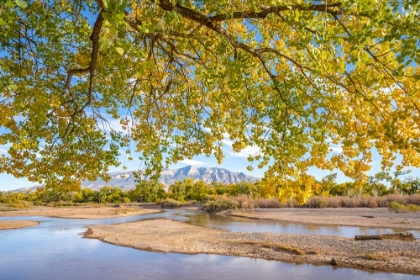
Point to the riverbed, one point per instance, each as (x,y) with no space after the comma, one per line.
(55,249)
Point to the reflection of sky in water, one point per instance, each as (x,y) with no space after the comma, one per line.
(54,249)
(217,221)
(249,225)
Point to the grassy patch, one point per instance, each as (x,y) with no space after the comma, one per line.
(171,203)
(7,209)
(19,205)
(400,208)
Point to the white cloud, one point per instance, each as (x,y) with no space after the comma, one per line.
(227,142)
(115,125)
(5,148)
(336,150)
(192,162)
(246,152)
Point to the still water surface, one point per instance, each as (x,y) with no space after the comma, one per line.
(55,250)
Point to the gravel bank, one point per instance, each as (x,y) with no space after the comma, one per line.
(177,237)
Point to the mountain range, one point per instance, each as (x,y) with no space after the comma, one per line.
(126,180)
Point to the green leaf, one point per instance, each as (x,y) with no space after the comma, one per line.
(12,87)
(21,4)
(120,16)
(365,56)
(105,4)
(108,16)
(120,51)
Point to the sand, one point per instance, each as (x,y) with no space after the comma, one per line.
(177,237)
(16,224)
(80,212)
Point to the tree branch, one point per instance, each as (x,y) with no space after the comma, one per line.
(265,11)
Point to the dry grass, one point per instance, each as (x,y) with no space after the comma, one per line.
(282,247)
(375,257)
(313,252)
(363,201)
(413,199)
(279,247)
(219,203)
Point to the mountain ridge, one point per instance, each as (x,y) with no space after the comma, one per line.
(126,180)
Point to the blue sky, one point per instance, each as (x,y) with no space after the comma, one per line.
(236,162)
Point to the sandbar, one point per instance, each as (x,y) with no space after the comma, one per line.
(177,237)
(17,224)
(80,212)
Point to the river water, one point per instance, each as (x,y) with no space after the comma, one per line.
(55,249)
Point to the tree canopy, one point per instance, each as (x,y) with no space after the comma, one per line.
(288,76)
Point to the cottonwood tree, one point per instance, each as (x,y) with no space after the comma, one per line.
(288,76)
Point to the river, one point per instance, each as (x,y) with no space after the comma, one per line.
(55,249)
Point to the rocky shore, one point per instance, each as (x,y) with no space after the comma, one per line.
(178,237)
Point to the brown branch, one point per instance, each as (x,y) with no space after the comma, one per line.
(265,11)
(95,50)
(91,70)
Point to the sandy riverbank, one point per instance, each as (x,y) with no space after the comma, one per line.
(363,217)
(16,224)
(80,212)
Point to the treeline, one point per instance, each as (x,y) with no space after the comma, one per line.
(199,191)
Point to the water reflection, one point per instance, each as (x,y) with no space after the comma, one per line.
(249,225)
(235,224)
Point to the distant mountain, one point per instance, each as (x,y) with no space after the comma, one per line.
(206,174)
(126,181)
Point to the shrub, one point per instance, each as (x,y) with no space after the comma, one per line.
(373,204)
(382,201)
(262,203)
(209,197)
(245,201)
(334,202)
(171,203)
(363,202)
(317,202)
(220,205)
(313,202)
(348,202)
(413,208)
(399,208)
(413,199)
(396,198)
(290,203)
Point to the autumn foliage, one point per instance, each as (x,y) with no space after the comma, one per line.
(292,77)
